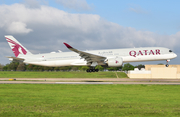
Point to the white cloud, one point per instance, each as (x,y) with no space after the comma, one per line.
(31,3)
(17,27)
(75,4)
(46,29)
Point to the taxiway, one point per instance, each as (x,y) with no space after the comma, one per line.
(89,81)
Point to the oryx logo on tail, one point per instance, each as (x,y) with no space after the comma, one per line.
(16,48)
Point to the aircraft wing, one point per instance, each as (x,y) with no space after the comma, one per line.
(91,59)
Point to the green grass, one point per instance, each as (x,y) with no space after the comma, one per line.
(13,74)
(89,100)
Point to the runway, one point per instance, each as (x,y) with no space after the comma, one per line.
(103,81)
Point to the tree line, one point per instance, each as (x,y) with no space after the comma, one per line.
(16,66)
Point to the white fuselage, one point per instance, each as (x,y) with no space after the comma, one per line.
(127,55)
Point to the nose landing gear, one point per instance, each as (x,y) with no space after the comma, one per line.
(167,65)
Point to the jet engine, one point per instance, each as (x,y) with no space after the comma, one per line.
(114,62)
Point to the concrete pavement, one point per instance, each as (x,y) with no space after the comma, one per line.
(89,81)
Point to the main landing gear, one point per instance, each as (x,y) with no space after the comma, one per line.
(92,70)
(167,65)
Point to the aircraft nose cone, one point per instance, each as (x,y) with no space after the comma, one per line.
(175,55)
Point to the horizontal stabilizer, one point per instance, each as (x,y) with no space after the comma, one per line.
(15,59)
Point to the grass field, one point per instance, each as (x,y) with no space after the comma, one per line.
(89,100)
(15,74)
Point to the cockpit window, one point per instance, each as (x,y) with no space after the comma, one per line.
(170,50)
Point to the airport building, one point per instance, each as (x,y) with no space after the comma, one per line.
(156,72)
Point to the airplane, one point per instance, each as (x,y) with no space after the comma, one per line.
(106,57)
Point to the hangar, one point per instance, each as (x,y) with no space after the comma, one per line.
(156,72)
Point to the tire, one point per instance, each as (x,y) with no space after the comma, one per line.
(96,70)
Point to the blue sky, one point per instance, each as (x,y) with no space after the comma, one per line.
(94,24)
(161,16)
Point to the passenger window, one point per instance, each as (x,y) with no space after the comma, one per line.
(170,50)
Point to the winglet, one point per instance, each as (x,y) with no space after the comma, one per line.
(67,45)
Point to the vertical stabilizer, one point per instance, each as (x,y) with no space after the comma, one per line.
(18,49)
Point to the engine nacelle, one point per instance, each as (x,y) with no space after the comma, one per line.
(115,62)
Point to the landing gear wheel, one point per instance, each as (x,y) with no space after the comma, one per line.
(88,70)
(96,70)
(92,70)
(167,65)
